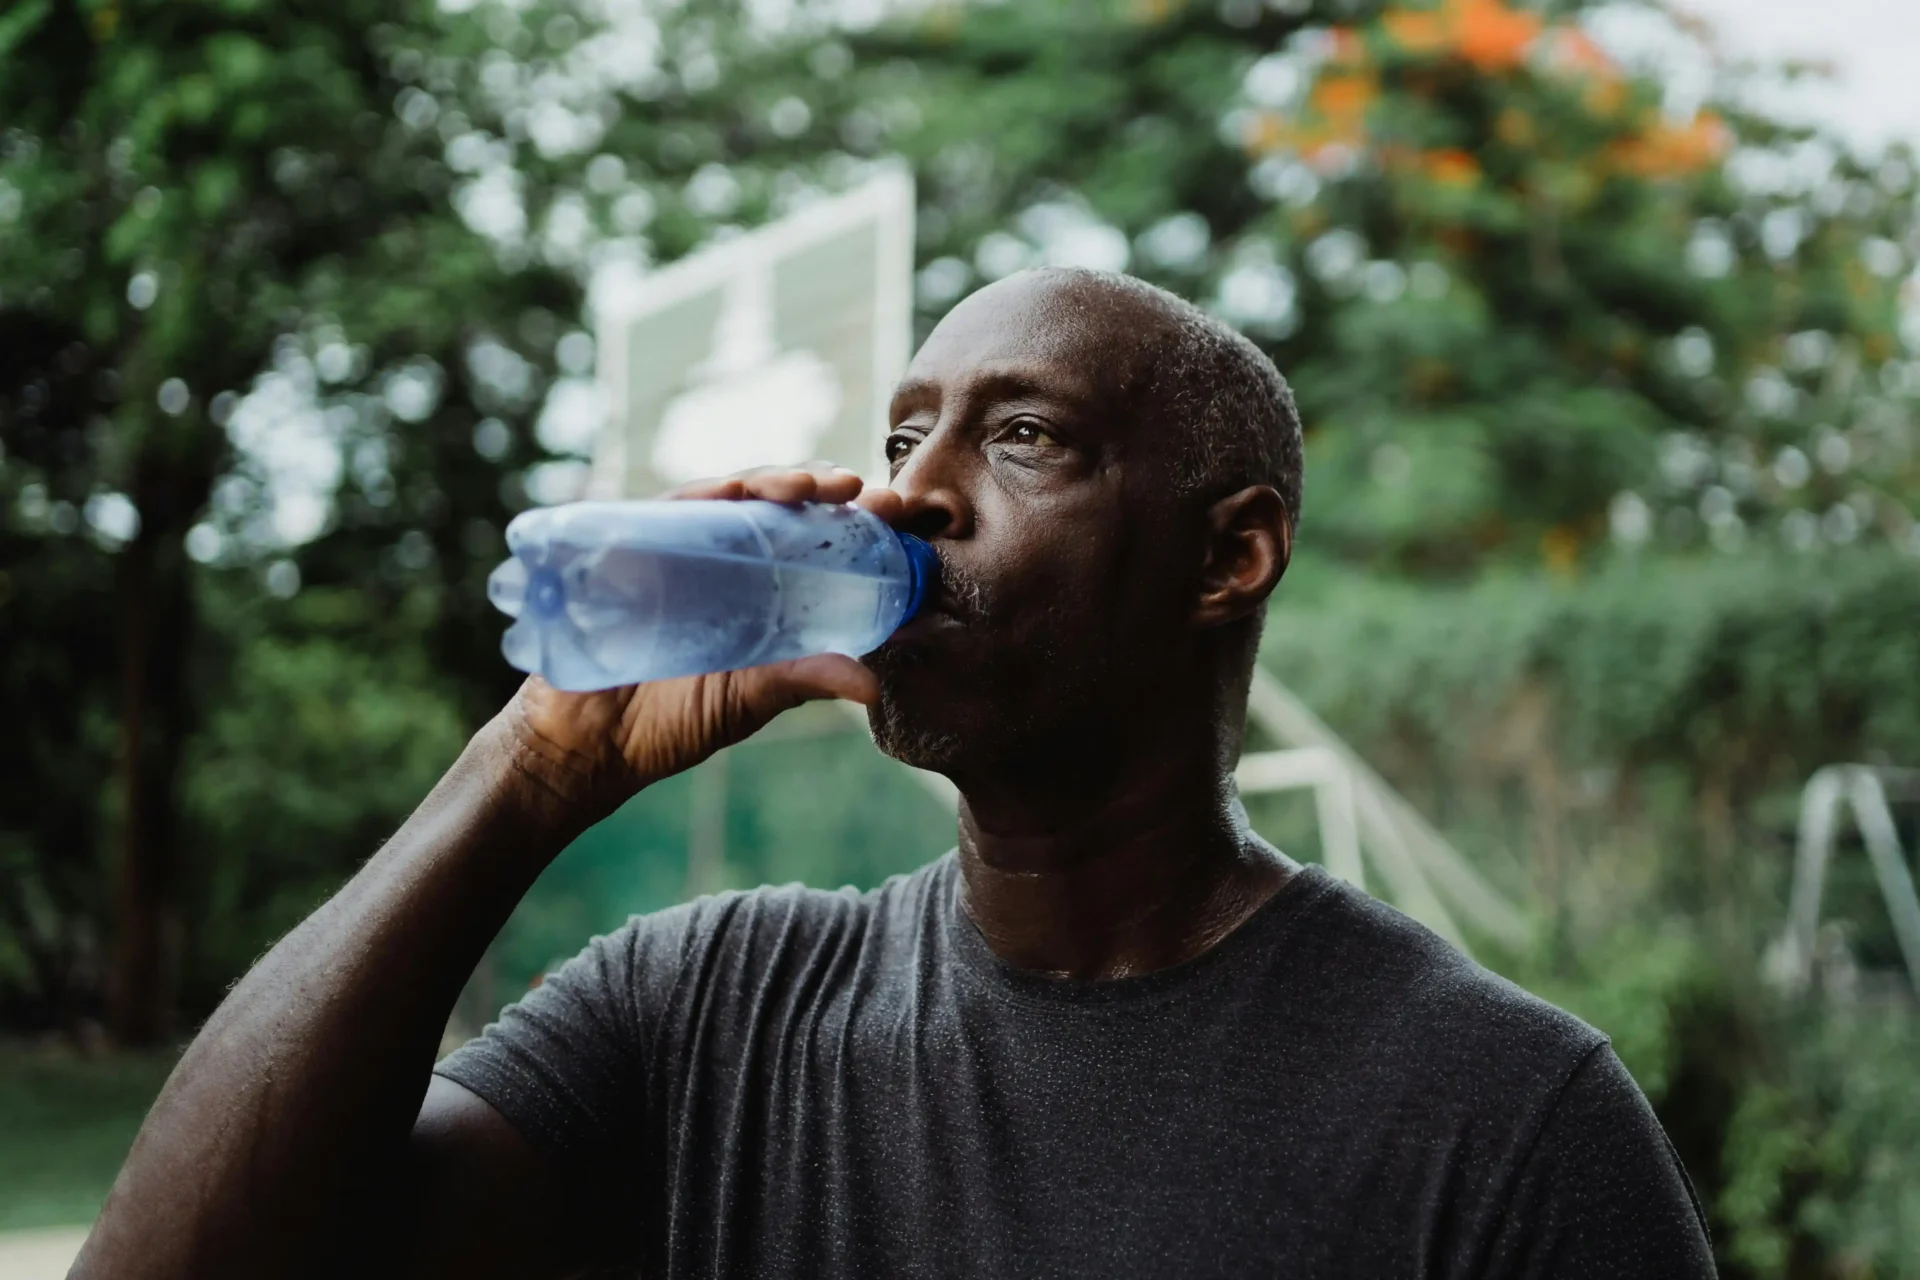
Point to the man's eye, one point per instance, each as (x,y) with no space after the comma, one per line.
(898,447)
(1028,431)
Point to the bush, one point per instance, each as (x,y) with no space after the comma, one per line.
(315,757)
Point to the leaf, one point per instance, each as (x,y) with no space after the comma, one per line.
(15,27)
(216,186)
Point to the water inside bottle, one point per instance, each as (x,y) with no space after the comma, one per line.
(618,615)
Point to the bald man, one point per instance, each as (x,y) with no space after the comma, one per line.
(1113,1033)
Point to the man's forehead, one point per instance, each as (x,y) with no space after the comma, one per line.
(1079,335)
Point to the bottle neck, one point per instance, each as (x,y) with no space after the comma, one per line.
(923,572)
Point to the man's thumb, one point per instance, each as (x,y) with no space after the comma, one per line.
(764,692)
(828,675)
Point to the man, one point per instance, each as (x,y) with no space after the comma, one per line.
(1113,1034)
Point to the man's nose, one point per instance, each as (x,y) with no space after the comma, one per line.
(937,483)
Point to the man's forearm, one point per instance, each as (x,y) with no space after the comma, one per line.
(268,1142)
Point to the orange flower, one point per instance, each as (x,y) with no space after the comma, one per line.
(1493,37)
(1338,104)
(1490,34)
(1605,97)
(1399,157)
(1663,151)
(1264,133)
(1560,548)
(1452,168)
(1421,31)
(1572,51)
(1343,96)
(1347,45)
(1151,12)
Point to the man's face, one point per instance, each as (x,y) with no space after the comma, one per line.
(1018,445)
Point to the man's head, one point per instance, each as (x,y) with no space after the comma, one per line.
(1111,478)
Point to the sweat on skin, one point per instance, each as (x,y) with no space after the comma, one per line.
(1112,1033)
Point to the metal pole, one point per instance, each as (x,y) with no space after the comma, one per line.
(1333,799)
(1819,806)
(1889,864)
(1388,823)
(707,827)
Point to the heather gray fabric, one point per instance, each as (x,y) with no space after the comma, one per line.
(797,1083)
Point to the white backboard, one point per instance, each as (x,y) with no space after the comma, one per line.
(781,345)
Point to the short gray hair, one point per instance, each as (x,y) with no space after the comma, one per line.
(1242,427)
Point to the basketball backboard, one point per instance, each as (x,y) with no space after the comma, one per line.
(780,345)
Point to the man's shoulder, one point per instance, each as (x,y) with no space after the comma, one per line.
(752,924)
(1407,993)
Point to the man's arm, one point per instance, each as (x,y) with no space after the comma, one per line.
(478,1200)
(291,1138)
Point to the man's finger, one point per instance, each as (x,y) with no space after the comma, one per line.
(716,487)
(834,484)
(815,482)
(784,485)
(826,675)
(885,503)
(772,483)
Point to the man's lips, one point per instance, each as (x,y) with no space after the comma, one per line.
(932,620)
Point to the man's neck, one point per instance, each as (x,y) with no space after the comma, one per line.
(1136,877)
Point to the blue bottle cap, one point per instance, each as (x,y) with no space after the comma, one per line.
(923,571)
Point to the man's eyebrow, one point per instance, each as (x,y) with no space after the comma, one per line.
(1020,385)
(914,393)
(998,385)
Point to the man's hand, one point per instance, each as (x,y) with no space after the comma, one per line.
(591,751)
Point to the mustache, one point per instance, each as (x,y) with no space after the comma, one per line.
(961,595)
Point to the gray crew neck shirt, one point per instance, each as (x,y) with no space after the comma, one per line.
(790,1082)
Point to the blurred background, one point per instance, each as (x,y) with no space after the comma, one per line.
(1605,325)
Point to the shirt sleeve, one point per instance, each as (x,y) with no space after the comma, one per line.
(1602,1193)
(567,1064)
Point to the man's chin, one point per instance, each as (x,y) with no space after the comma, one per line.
(943,706)
(918,745)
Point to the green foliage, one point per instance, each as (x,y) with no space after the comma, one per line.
(819,806)
(197,200)
(316,756)
(1520,309)
(1822,1148)
(65,1125)
(1773,664)
(1632,984)
(57,750)
(1740,673)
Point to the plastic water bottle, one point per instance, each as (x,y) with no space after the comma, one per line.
(613,593)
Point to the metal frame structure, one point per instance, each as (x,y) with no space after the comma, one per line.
(1864,789)
(1360,814)
(885,201)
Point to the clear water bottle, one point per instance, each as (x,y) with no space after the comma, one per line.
(613,593)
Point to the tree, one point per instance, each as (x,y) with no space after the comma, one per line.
(1524,307)
(189,188)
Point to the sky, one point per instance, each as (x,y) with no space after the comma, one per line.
(1872,45)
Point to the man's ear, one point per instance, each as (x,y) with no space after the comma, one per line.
(1249,540)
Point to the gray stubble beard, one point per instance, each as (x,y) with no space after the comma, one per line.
(895,734)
